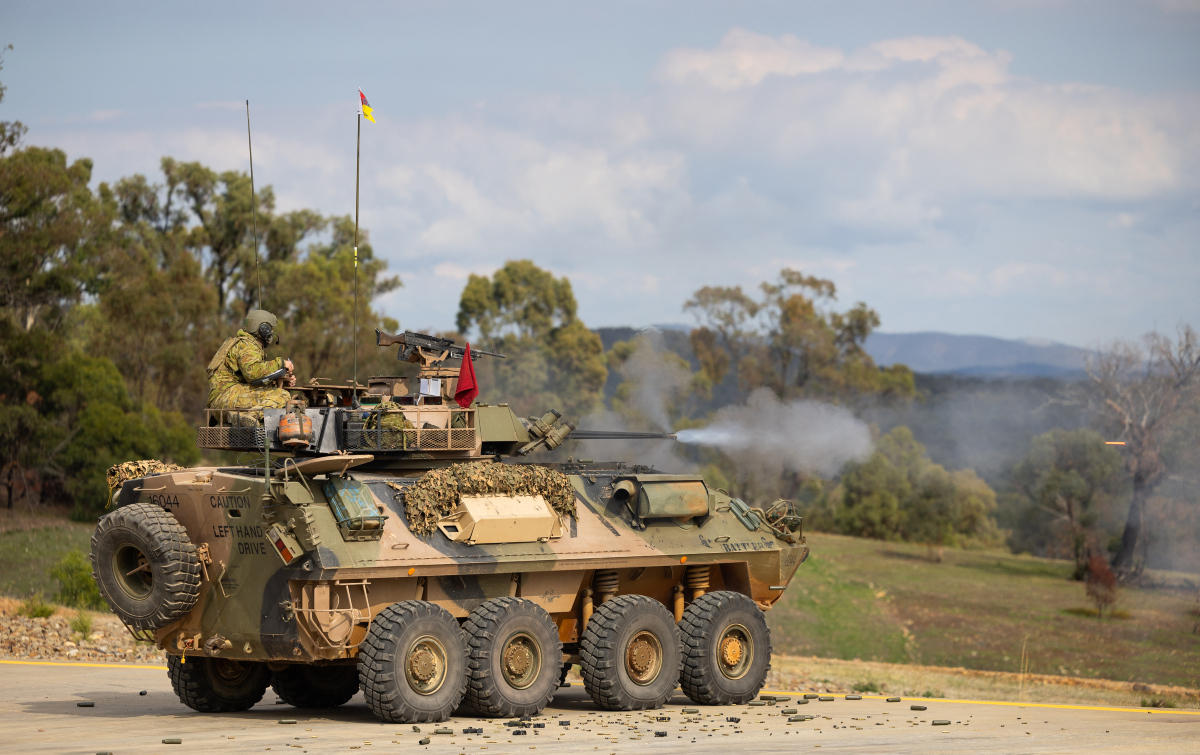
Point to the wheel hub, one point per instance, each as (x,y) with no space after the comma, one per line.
(731,651)
(735,651)
(423,664)
(518,659)
(643,658)
(641,655)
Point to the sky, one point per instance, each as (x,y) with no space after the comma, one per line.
(1015,168)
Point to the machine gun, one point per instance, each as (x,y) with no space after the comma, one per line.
(427,350)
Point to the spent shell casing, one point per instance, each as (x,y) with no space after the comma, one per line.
(940,722)
(916,707)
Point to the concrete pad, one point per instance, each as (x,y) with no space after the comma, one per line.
(39,714)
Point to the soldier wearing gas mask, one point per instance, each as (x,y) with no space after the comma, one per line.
(239,375)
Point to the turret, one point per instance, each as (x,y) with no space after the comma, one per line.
(404,422)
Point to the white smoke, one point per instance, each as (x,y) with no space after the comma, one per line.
(655,378)
(770,436)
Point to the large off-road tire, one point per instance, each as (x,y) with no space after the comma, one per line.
(145,566)
(515,658)
(726,649)
(306,686)
(412,665)
(630,654)
(218,685)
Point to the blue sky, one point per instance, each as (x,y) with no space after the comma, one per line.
(1018,169)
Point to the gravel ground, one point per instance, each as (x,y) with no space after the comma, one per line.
(52,639)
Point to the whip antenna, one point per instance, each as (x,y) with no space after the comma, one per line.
(357,160)
(253,205)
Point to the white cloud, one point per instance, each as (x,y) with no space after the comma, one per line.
(907,170)
(744,58)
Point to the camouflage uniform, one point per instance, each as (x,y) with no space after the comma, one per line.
(240,360)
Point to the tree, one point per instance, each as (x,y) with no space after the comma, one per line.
(51,229)
(312,293)
(553,360)
(222,208)
(1067,482)
(899,494)
(10,131)
(1136,391)
(1101,584)
(520,300)
(792,341)
(155,314)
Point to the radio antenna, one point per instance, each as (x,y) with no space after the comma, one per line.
(253,205)
(357,162)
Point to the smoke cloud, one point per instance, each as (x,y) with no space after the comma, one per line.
(654,378)
(768,435)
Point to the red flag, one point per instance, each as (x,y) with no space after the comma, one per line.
(468,389)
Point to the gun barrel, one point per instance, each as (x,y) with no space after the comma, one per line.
(619,435)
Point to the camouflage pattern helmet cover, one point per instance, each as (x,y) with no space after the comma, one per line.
(256,317)
(261,324)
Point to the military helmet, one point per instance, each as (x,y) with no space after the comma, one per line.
(261,324)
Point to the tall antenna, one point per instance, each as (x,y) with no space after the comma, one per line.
(357,160)
(254,205)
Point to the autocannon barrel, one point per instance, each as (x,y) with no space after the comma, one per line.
(619,435)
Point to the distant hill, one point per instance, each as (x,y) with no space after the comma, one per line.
(983,356)
(930,353)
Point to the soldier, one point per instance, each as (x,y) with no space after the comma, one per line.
(239,375)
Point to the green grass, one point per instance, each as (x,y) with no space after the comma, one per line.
(863,599)
(27,556)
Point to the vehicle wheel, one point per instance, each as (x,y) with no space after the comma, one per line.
(726,649)
(218,685)
(307,686)
(515,658)
(630,654)
(145,566)
(412,664)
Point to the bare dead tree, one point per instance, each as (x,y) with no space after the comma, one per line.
(1136,390)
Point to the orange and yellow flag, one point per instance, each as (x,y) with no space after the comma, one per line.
(366,107)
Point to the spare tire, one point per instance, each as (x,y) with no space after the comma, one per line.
(145,566)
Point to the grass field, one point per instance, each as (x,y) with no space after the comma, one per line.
(875,601)
(28,549)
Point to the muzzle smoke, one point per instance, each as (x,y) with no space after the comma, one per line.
(799,436)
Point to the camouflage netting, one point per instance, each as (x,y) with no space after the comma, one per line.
(440,491)
(119,474)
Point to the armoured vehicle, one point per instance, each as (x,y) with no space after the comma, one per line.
(390,540)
